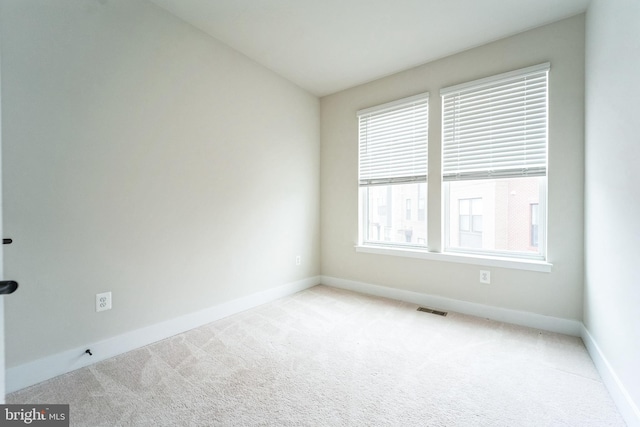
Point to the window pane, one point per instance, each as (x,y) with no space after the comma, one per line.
(464,222)
(534,225)
(476,206)
(394,224)
(471,240)
(476,224)
(499,217)
(464,207)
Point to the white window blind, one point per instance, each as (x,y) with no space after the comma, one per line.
(393,142)
(496,127)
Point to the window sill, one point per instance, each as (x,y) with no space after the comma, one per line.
(518,264)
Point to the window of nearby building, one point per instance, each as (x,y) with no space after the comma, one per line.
(533,207)
(494,134)
(470,222)
(393,171)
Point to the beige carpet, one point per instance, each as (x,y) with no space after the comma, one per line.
(327,357)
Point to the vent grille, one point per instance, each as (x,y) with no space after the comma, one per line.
(432,311)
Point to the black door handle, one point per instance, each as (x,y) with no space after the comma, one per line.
(8,286)
(7,241)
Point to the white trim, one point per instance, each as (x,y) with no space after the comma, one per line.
(628,409)
(393,104)
(30,373)
(492,79)
(485,260)
(523,318)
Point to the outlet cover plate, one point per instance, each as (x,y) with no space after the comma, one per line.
(103,301)
(485,277)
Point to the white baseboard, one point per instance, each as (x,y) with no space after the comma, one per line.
(618,391)
(523,318)
(31,373)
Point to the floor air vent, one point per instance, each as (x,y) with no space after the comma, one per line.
(429,310)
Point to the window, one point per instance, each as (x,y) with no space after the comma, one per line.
(422,207)
(494,173)
(393,171)
(494,160)
(470,223)
(533,207)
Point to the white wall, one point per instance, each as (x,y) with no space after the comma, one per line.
(612,282)
(558,293)
(145,158)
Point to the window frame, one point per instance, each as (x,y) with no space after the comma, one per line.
(437,252)
(474,170)
(363,188)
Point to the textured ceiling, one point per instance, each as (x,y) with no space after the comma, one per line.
(325,46)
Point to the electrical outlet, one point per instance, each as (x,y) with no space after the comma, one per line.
(298,260)
(485,276)
(103,301)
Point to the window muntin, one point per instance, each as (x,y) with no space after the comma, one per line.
(495,148)
(393,172)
